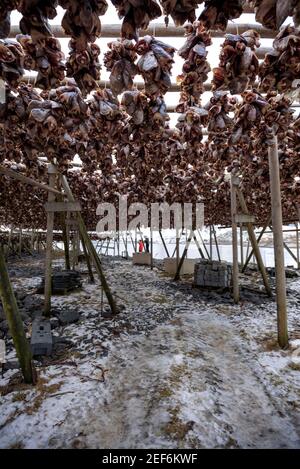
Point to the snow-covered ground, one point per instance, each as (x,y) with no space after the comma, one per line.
(178,368)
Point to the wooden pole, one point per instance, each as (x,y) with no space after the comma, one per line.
(210,243)
(278,244)
(248,257)
(254,244)
(151,248)
(198,246)
(15,175)
(235,263)
(65,241)
(242,245)
(177,251)
(88,262)
(15,323)
(216,243)
(180,264)
(297,245)
(202,241)
(91,249)
(164,244)
(49,240)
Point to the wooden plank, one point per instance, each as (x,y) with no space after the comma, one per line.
(91,249)
(62,207)
(20,177)
(235,262)
(160,30)
(49,242)
(254,244)
(180,264)
(282,326)
(15,323)
(244,218)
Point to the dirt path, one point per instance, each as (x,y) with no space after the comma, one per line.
(182,375)
(186,385)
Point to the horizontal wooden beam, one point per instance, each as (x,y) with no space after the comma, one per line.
(20,177)
(160,30)
(62,207)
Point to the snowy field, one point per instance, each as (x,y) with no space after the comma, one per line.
(178,368)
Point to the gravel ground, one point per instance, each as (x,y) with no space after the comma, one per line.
(177,368)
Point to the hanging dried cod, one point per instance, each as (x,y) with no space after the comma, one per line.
(119,60)
(11,61)
(273,13)
(35,18)
(280,69)
(155,65)
(195,68)
(137,14)
(180,10)
(45,58)
(6,8)
(239,66)
(216,13)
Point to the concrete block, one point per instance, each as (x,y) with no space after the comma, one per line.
(41,337)
(141,258)
(187,268)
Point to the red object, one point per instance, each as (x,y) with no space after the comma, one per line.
(141,246)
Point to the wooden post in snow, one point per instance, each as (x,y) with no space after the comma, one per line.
(297,245)
(256,250)
(49,240)
(15,323)
(151,248)
(278,244)
(242,245)
(235,263)
(91,249)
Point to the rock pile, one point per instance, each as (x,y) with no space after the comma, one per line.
(212,274)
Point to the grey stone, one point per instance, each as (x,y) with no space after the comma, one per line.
(68,316)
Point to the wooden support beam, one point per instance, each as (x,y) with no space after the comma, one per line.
(202,241)
(91,249)
(248,257)
(151,249)
(49,240)
(180,264)
(164,244)
(15,175)
(242,245)
(198,246)
(216,243)
(88,262)
(283,338)
(160,30)
(15,324)
(235,262)
(254,244)
(297,245)
(293,256)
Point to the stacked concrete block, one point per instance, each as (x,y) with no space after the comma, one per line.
(212,274)
(41,337)
(141,258)
(170,266)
